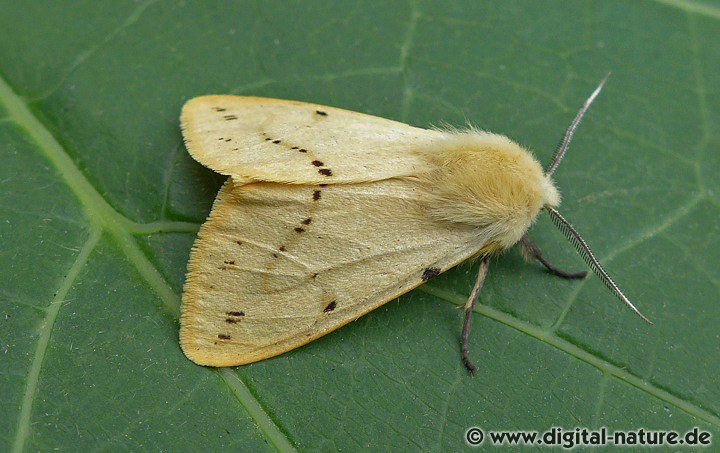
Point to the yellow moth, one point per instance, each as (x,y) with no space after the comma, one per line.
(328,214)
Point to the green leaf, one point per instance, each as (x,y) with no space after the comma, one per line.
(100,203)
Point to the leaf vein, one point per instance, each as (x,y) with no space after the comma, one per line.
(46,328)
(253,407)
(551,339)
(85,55)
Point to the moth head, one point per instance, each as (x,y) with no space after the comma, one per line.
(551,194)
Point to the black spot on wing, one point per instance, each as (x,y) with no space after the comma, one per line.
(430,273)
(325,171)
(234,317)
(278,141)
(330,307)
(219,109)
(317,163)
(223,336)
(306,221)
(230,117)
(316,195)
(321,113)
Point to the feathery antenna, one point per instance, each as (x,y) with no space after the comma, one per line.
(587,254)
(565,143)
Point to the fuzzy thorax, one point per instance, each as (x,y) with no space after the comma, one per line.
(488,182)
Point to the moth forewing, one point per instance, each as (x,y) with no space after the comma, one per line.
(265,139)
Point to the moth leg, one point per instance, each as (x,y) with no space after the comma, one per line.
(531,251)
(469,305)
